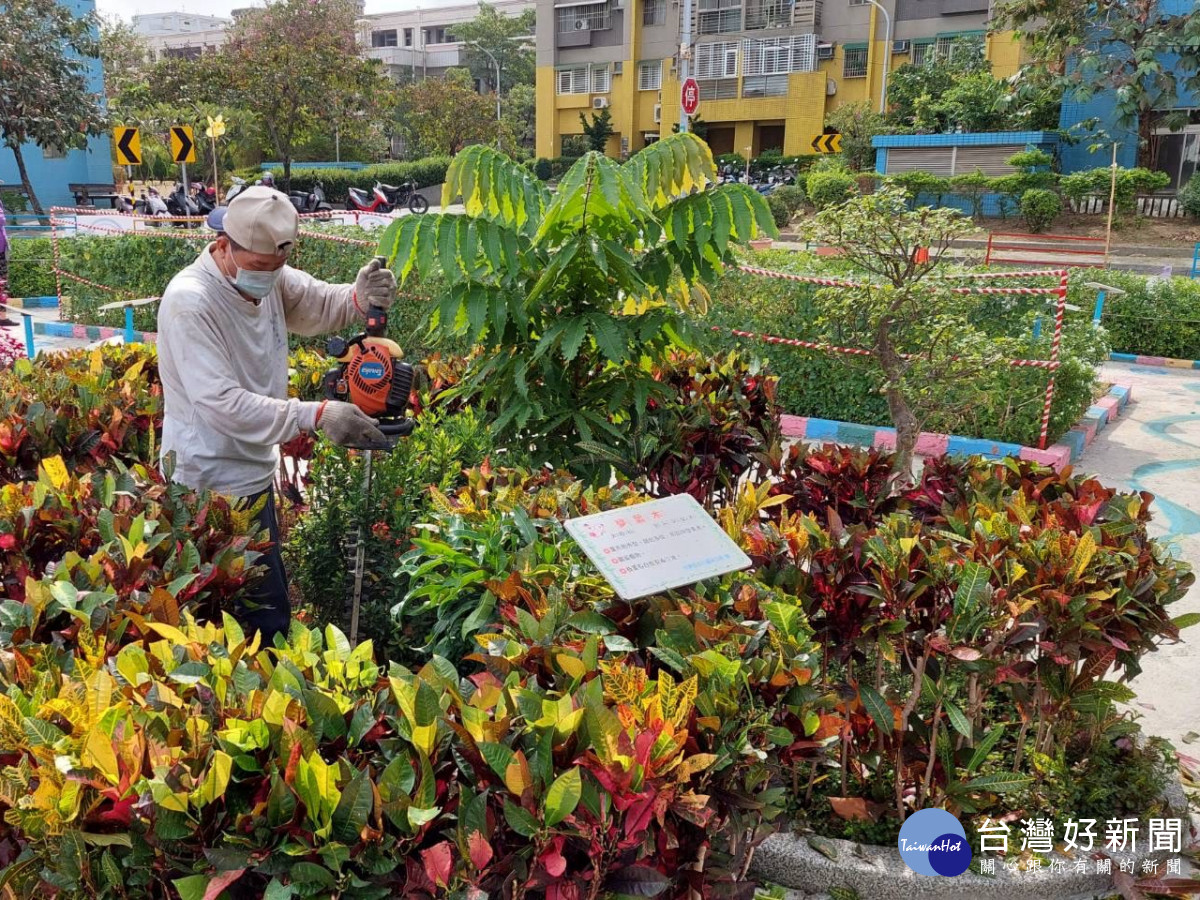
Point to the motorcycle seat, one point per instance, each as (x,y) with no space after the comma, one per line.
(390,187)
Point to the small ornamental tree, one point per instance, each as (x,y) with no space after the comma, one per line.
(572,296)
(921,339)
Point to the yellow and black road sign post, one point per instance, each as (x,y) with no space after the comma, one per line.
(129,146)
(183,144)
(827,143)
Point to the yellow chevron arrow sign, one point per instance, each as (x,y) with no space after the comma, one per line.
(827,143)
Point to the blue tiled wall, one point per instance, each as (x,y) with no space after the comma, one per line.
(50,177)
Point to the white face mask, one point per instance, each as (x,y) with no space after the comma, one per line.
(255,284)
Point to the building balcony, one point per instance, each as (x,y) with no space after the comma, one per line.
(433,56)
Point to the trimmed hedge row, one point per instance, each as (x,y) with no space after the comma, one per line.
(425,172)
(1154,317)
(1005,405)
(31,267)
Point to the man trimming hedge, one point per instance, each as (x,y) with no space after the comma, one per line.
(223,357)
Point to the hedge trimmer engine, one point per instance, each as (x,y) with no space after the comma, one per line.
(372,375)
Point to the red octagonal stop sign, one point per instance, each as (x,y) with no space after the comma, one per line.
(689,96)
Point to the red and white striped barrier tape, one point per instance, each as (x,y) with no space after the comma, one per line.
(858,351)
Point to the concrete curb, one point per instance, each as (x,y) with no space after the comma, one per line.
(90,332)
(1058,455)
(878,873)
(1167,361)
(33,302)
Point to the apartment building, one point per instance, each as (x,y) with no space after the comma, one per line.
(418,43)
(180,34)
(769,70)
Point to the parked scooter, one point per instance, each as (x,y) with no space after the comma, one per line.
(204,198)
(375,202)
(405,194)
(181,205)
(310,201)
(239,185)
(151,204)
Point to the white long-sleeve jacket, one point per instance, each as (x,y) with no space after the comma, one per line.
(223,360)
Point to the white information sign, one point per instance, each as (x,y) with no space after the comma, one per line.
(654,546)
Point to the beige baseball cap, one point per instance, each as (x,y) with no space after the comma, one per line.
(262,220)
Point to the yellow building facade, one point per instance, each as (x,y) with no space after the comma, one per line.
(638,80)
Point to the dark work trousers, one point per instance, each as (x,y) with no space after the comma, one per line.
(265,606)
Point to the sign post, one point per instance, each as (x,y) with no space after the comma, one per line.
(215,129)
(183,150)
(689,97)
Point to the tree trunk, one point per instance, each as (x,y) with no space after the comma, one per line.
(287,173)
(907,432)
(25,182)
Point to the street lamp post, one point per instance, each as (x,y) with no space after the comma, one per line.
(496,63)
(887,55)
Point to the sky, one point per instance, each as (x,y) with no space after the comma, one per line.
(128,8)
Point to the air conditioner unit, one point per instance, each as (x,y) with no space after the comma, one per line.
(618,67)
(581,24)
(901,46)
(824,51)
(830,87)
(599,102)
(657,113)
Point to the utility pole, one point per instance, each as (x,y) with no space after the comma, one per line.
(496,63)
(685,57)
(887,54)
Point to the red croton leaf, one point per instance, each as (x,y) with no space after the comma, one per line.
(439,863)
(852,808)
(221,881)
(552,859)
(480,850)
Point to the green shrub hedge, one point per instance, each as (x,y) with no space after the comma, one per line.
(31,267)
(1004,405)
(1154,317)
(426,172)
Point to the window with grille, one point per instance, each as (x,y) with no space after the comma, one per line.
(719,89)
(654,12)
(601,79)
(768,14)
(408,36)
(920,53)
(717,60)
(573,80)
(857,3)
(764,86)
(719,16)
(592,17)
(650,75)
(778,56)
(384,38)
(854,65)
(958,46)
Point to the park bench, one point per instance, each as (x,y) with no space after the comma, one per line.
(92,194)
(1009,248)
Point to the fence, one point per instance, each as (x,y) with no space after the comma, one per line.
(1051,364)
(1008,248)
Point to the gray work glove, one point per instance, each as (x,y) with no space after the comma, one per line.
(374,286)
(348,426)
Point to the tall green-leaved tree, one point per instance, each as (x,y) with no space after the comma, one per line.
(571,295)
(44,95)
(1144,53)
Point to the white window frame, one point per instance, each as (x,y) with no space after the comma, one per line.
(650,75)
(572,80)
(597,15)
(717,60)
(779,56)
(601,79)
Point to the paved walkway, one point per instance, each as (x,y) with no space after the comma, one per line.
(1155,446)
